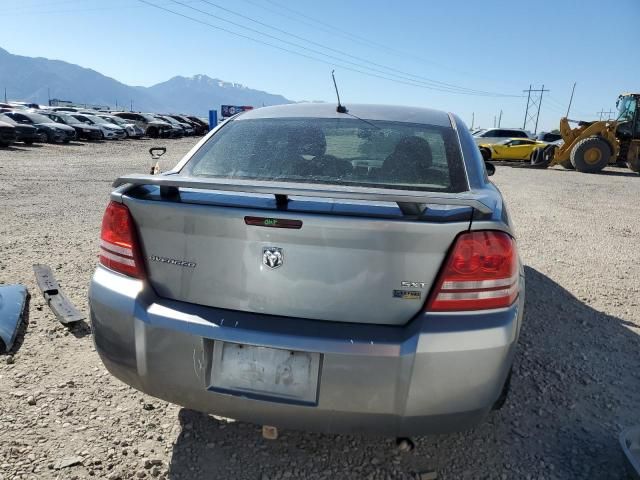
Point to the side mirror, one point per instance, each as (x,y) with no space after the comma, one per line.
(491,168)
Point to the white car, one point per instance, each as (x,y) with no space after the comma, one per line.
(109,130)
(495,135)
(132,130)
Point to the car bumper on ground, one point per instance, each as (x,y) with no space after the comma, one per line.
(438,373)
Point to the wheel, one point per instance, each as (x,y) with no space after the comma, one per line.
(541,157)
(567,164)
(50,138)
(538,159)
(152,132)
(486,153)
(504,394)
(5,144)
(590,155)
(28,142)
(66,140)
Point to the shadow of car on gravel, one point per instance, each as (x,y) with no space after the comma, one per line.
(575,387)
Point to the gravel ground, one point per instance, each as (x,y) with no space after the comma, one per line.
(576,381)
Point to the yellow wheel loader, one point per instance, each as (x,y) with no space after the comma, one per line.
(593,145)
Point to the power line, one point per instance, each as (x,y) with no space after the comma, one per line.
(602,112)
(428,83)
(8,13)
(332,29)
(393,71)
(301,54)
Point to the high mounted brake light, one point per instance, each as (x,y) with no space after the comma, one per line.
(119,249)
(481,273)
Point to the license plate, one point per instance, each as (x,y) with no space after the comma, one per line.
(265,372)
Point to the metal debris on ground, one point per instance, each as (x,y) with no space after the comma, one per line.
(13,299)
(61,306)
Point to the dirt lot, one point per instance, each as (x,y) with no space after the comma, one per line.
(577,374)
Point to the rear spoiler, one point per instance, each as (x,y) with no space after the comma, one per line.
(411,202)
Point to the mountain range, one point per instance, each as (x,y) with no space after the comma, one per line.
(38,79)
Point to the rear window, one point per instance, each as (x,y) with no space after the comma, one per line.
(342,151)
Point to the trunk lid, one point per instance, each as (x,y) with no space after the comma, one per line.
(335,267)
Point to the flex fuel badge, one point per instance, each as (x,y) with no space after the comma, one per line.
(407,294)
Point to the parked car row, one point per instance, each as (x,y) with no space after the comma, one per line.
(28,123)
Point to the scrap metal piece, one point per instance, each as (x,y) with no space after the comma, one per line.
(13,299)
(62,307)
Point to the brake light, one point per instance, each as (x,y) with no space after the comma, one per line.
(119,249)
(481,273)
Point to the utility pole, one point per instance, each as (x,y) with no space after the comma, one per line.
(500,118)
(533,101)
(526,112)
(473,119)
(571,99)
(539,105)
(5,94)
(49,95)
(131,106)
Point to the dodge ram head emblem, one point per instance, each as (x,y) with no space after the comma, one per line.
(272,257)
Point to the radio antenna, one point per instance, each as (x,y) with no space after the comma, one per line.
(341,108)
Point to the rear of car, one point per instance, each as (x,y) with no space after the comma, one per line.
(315,270)
(7,134)
(23,133)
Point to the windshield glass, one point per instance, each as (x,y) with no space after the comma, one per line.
(334,151)
(37,118)
(97,119)
(68,119)
(168,120)
(5,119)
(115,120)
(149,118)
(626,108)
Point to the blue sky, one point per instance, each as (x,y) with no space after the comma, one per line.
(492,46)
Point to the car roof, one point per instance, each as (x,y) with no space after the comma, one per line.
(370,112)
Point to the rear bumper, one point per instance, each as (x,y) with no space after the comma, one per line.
(439,373)
(7,136)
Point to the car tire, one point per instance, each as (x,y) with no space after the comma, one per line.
(504,394)
(28,142)
(590,155)
(4,144)
(66,140)
(486,153)
(152,132)
(540,157)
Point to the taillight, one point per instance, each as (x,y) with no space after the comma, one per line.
(119,249)
(481,273)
